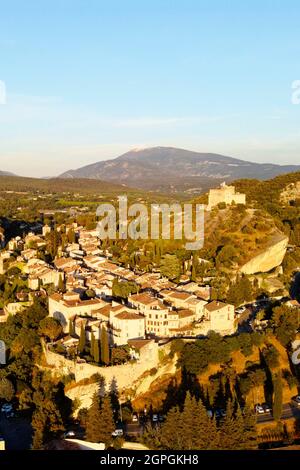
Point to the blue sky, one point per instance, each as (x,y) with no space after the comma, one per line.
(88,80)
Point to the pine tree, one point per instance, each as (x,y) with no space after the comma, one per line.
(107,421)
(104,346)
(93,422)
(188,417)
(82,339)
(205,429)
(114,398)
(250,434)
(172,430)
(231,429)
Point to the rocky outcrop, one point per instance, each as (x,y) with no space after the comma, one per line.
(268,259)
(291,193)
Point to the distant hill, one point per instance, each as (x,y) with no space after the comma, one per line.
(59,185)
(176,170)
(6,173)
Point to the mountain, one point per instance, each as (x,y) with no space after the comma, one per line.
(173,169)
(6,173)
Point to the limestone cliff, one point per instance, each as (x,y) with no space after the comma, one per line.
(290,193)
(268,259)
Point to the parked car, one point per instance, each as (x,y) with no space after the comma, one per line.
(117,433)
(155,418)
(267,408)
(220,413)
(6,408)
(259,409)
(210,413)
(161,418)
(134,419)
(68,434)
(241,309)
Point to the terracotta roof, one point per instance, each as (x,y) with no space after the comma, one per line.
(59,262)
(129,316)
(143,298)
(215,305)
(185,313)
(105,311)
(180,295)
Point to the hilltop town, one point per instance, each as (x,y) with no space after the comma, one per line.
(134,315)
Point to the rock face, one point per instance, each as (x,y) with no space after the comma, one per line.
(291,192)
(269,259)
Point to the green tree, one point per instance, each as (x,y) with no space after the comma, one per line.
(71,327)
(96,355)
(107,421)
(61,284)
(249,434)
(231,429)
(100,423)
(286,321)
(104,346)
(195,265)
(92,347)
(190,429)
(82,339)
(170,267)
(50,328)
(7,390)
(93,421)
(277,396)
(172,430)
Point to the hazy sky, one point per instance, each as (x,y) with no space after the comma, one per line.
(88,80)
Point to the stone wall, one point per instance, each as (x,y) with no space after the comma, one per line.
(125,375)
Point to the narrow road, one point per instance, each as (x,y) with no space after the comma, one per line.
(288,411)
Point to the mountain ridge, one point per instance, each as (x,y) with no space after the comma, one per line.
(174,169)
(6,173)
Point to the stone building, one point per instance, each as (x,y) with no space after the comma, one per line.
(224,194)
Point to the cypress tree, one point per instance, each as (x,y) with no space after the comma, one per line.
(96,355)
(104,346)
(71,327)
(61,284)
(277,399)
(82,339)
(194,267)
(92,346)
